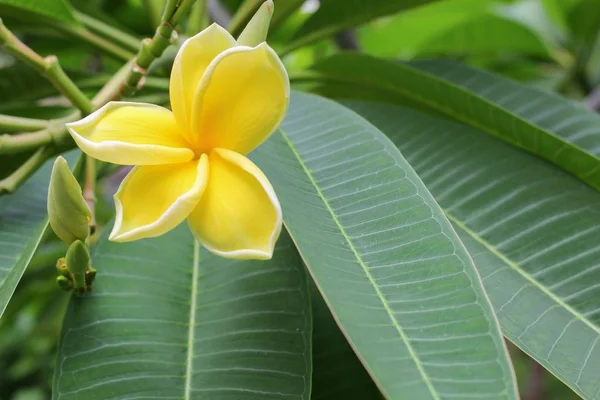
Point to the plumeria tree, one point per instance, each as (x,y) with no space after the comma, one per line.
(299,199)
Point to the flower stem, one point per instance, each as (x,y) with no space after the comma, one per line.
(47,67)
(242,16)
(153,48)
(199,18)
(109,32)
(18,177)
(9,123)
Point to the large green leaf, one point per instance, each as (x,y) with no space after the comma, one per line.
(169,320)
(55,9)
(23,220)
(531,228)
(337,372)
(542,123)
(388,263)
(336,15)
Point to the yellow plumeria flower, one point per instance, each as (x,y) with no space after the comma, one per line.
(190,163)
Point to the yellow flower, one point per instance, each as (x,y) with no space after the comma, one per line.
(190,163)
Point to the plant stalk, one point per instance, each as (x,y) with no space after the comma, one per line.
(244,13)
(89,190)
(9,123)
(20,175)
(47,67)
(109,32)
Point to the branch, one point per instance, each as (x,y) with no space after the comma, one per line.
(9,123)
(129,41)
(153,48)
(47,67)
(20,175)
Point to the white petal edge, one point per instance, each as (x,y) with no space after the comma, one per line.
(171,218)
(93,148)
(254,254)
(207,77)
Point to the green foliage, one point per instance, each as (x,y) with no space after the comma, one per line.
(23,221)
(434,203)
(531,229)
(390,254)
(59,10)
(167,319)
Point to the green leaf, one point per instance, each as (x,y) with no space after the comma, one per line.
(531,228)
(168,320)
(59,10)
(388,263)
(552,127)
(337,372)
(456,27)
(23,221)
(336,15)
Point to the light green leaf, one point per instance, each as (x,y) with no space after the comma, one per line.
(337,372)
(23,221)
(59,10)
(388,263)
(168,320)
(552,127)
(456,27)
(531,228)
(336,15)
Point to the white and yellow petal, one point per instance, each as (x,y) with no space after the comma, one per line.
(131,134)
(238,215)
(242,98)
(154,199)
(189,66)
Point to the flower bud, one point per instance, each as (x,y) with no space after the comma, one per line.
(78,260)
(67,210)
(256,31)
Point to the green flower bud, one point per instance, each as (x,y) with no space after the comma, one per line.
(67,210)
(64,283)
(78,260)
(256,31)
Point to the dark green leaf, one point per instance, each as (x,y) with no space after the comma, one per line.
(542,123)
(336,15)
(59,10)
(168,320)
(388,263)
(531,228)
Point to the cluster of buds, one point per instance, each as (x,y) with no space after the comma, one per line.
(70,219)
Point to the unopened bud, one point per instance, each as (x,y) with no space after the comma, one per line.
(78,260)
(257,29)
(67,210)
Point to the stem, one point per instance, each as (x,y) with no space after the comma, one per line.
(153,9)
(109,32)
(198,19)
(240,19)
(18,177)
(153,48)
(9,123)
(47,67)
(24,141)
(89,190)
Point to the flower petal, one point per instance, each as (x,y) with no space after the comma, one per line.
(131,134)
(239,215)
(191,61)
(152,200)
(241,100)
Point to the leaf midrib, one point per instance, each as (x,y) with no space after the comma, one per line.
(192,321)
(513,265)
(360,261)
